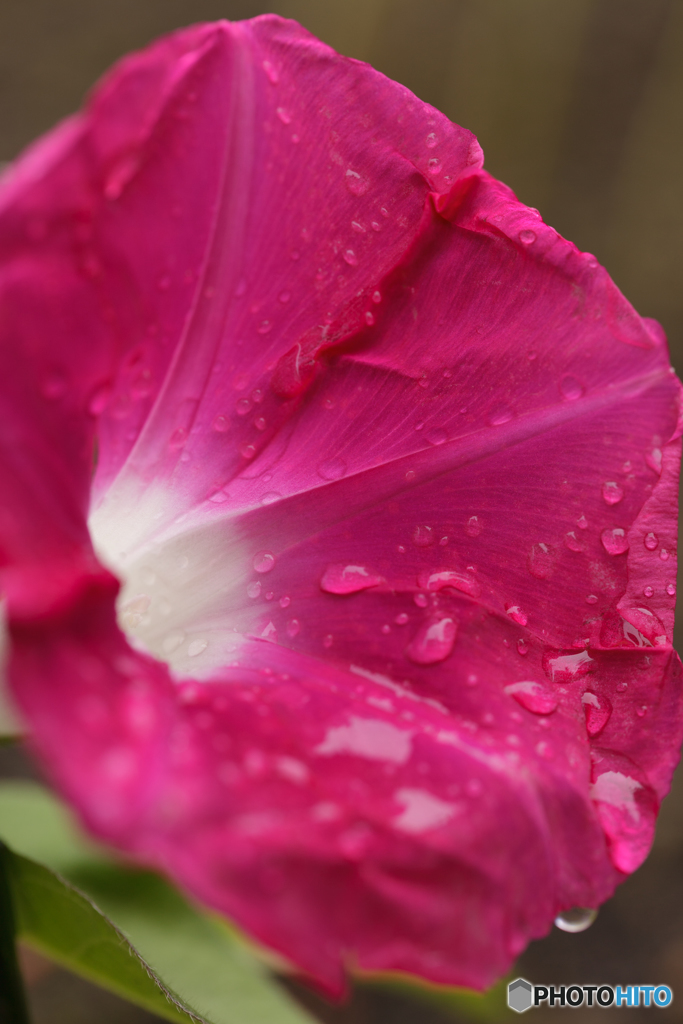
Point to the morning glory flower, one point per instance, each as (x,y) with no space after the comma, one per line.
(338,518)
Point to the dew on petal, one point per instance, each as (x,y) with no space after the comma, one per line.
(664,555)
(242,406)
(284,115)
(285,601)
(671,589)
(431,141)
(473,526)
(221,424)
(421,600)
(254,589)
(332,469)
(522,647)
(500,416)
(348,579)
(270,497)
(369,318)
(615,542)
(376,297)
(582,523)
(350,257)
(516,614)
(527,237)
(592,599)
(248,451)
(648,591)
(401,619)
(264,561)
(654,460)
(533,696)
(541,561)
(197,647)
(433,642)
(572,542)
(293,627)
(578,919)
(597,710)
(571,388)
(355,183)
(436,436)
(612,493)
(565,668)
(650,541)
(439,578)
(423,536)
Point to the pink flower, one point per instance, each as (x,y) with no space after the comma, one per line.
(387,471)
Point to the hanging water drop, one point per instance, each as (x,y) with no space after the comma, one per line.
(576,920)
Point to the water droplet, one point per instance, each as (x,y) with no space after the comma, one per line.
(423,536)
(582,523)
(328,640)
(664,555)
(527,237)
(386,629)
(654,460)
(615,542)
(260,423)
(436,436)
(576,920)
(597,710)
(648,591)
(473,526)
(293,627)
(565,668)
(533,696)
(242,406)
(218,497)
(270,497)
(434,166)
(350,257)
(592,599)
(401,619)
(421,600)
(541,562)
(522,647)
(651,541)
(284,115)
(439,578)
(641,711)
(348,579)
(376,297)
(254,589)
(264,327)
(622,687)
(271,72)
(433,642)
(172,642)
(247,451)
(516,614)
(500,416)
(612,493)
(356,184)
(332,469)
(264,561)
(572,542)
(197,647)
(284,297)
(431,141)
(670,589)
(571,388)
(369,318)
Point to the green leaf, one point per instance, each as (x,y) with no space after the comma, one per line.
(210,970)
(54,917)
(465,1004)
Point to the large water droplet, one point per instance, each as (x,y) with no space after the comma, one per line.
(615,542)
(440,578)
(564,668)
(533,696)
(516,614)
(571,388)
(576,920)
(612,493)
(348,579)
(433,642)
(527,237)
(332,469)
(423,536)
(355,183)
(264,561)
(598,710)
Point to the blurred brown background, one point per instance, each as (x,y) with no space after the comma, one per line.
(579,107)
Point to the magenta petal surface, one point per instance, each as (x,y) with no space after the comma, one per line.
(388,471)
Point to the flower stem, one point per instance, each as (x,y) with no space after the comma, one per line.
(13,1005)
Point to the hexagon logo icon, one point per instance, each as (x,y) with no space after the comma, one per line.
(520,995)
